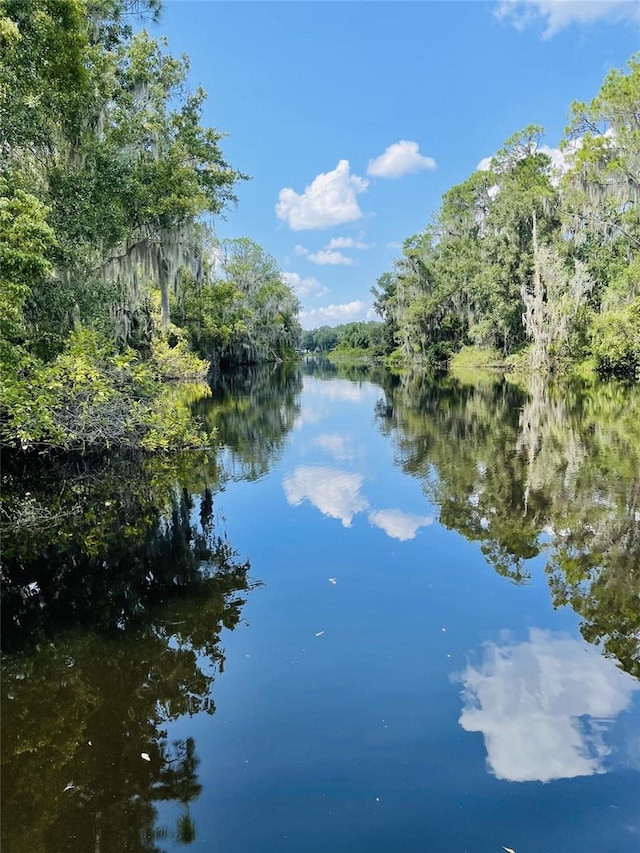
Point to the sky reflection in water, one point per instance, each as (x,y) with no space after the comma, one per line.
(546,708)
(402,665)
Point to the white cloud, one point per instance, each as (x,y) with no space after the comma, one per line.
(335,493)
(330,253)
(558,14)
(397,524)
(401,158)
(348,243)
(543,707)
(330,199)
(335,445)
(484,165)
(308,286)
(336,314)
(394,245)
(324,256)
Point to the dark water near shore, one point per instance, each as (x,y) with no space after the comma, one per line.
(383,615)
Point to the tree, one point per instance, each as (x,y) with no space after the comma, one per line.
(98,125)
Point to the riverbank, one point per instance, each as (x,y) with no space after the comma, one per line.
(94,397)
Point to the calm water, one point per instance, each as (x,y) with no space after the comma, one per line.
(386,615)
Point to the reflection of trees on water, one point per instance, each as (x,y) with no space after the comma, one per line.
(123,551)
(85,752)
(319,367)
(455,438)
(253,411)
(553,469)
(98,544)
(323,368)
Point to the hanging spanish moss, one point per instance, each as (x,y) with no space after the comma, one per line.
(153,258)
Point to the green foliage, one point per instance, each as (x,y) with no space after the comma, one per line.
(172,359)
(43,76)
(244,314)
(475,364)
(92,397)
(516,254)
(603,186)
(323,339)
(26,241)
(364,339)
(616,341)
(108,178)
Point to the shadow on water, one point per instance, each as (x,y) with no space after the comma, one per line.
(552,471)
(85,753)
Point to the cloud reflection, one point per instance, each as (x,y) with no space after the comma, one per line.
(334,492)
(397,524)
(341,390)
(335,445)
(337,494)
(544,707)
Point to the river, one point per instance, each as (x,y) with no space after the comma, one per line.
(380,614)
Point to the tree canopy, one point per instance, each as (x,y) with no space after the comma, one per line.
(110,183)
(527,253)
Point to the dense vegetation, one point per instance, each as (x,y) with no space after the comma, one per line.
(365,337)
(533,256)
(108,266)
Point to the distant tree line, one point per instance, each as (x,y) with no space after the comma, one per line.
(366,336)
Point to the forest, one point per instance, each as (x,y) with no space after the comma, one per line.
(531,264)
(113,284)
(535,257)
(117,299)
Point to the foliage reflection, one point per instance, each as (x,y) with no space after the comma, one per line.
(253,411)
(117,584)
(537,470)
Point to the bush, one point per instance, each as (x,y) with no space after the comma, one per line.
(615,341)
(91,397)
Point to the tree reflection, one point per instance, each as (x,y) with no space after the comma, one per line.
(525,471)
(85,750)
(253,411)
(82,716)
(99,542)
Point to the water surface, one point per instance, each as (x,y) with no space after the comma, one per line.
(434,647)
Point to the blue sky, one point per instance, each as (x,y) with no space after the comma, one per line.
(354,118)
